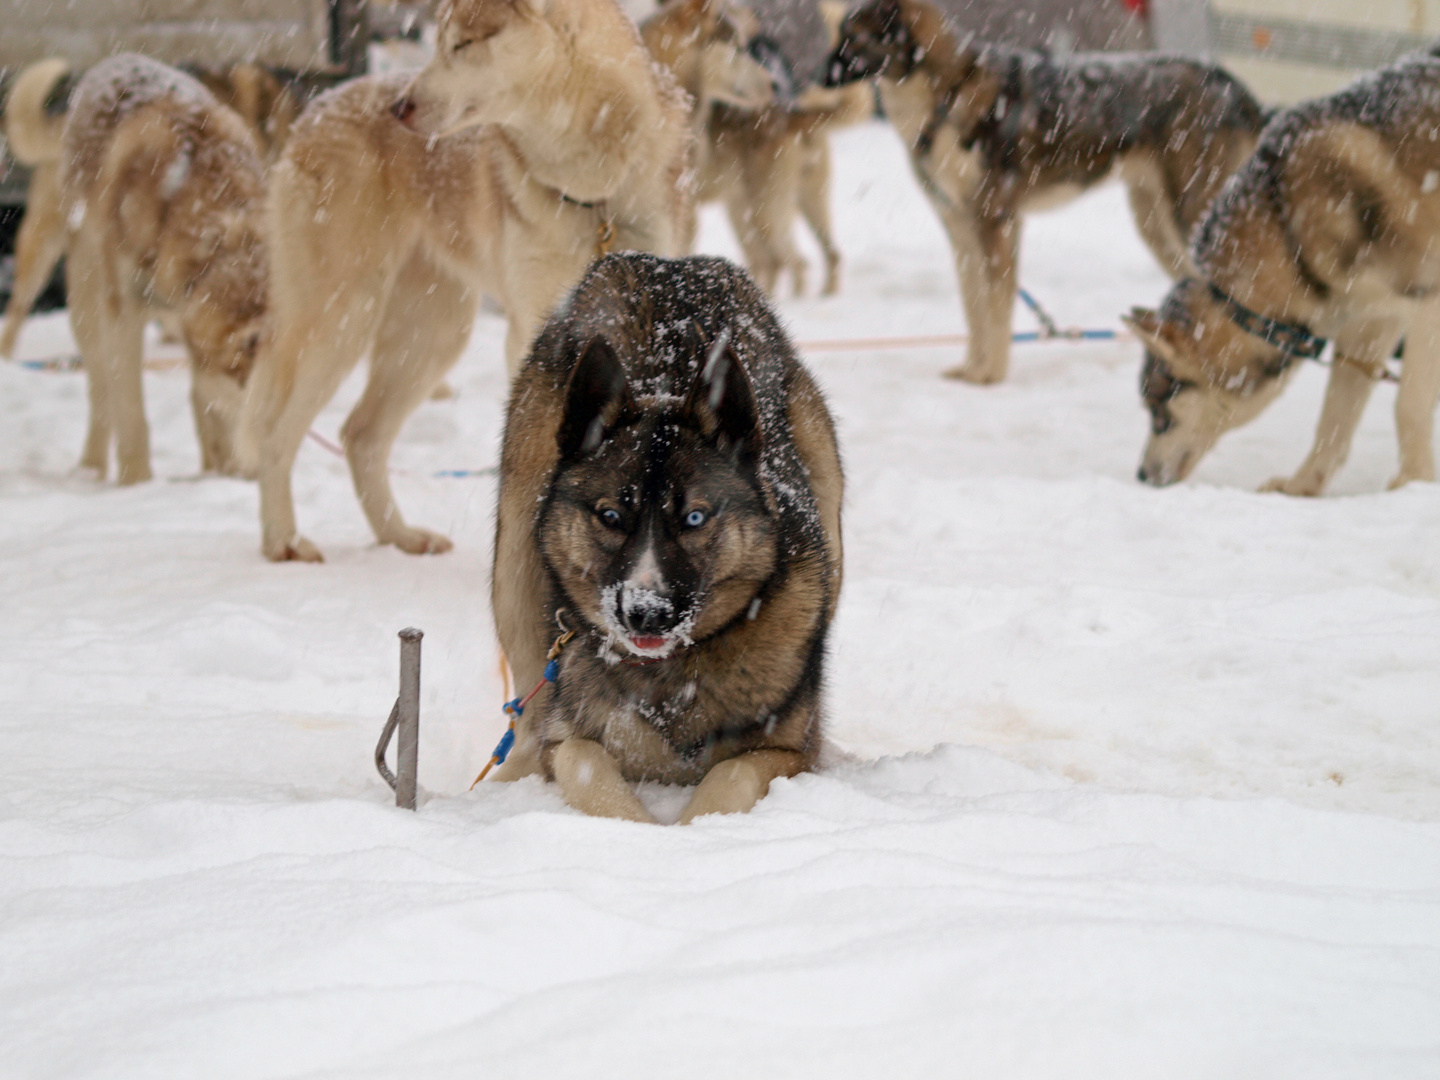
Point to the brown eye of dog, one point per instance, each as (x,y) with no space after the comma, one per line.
(610,518)
(462,44)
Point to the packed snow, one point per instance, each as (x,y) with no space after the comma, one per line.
(1131,783)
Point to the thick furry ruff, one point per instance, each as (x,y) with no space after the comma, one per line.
(162,196)
(1331,226)
(620,395)
(540,136)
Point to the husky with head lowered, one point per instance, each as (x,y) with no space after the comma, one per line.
(160,195)
(670,492)
(1328,232)
(996,133)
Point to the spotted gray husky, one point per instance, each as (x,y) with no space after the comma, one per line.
(670,491)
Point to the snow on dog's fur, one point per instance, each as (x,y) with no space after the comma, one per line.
(688,489)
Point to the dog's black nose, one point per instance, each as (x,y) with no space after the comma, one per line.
(403,110)
(649,620)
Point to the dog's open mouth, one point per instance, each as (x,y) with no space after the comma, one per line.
(641,644)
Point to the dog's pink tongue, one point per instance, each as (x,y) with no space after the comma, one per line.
(648,643)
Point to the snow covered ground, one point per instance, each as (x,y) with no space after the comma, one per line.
(1142,783)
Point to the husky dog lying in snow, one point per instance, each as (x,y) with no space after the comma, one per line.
(161,197)
(1331,230)
(995,133)
(540,135)
(670,489)
(35,118)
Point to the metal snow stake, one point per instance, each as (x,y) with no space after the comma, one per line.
(406,716)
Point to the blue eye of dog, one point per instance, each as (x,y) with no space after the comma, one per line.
(695,518)
(611,518)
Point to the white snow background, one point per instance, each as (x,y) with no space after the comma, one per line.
(1141,783)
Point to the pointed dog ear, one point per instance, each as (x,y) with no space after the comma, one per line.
(598,393)
(722,401)
(1155,333)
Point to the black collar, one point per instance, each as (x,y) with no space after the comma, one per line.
(1295,341)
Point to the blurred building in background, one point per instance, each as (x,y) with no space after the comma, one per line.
(1289,50)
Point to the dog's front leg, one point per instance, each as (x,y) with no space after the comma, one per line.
(735,786)
(1415,401)
(1345,398)
(590,781)
(986,255)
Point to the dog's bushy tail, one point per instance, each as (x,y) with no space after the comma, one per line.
(35,112)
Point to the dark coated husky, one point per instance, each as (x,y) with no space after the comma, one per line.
(670,490)
(995,133)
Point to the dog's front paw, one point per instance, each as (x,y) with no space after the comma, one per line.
(973,373)
(133,474)
(292,549)
(1304,486)
(1410,476)
(414,541)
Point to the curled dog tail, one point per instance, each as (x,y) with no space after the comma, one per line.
(35,111)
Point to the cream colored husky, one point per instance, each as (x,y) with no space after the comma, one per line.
(540,136)
(161,196)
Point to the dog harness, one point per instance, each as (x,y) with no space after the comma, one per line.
(1294,341)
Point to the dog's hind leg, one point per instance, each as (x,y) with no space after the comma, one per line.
(759,259)
(1415,400)
(109,328)
(591,782)
(312,353)
(38,246)
(426,324)
(1154,212)
(986,257)
(815,205)
(1345,398)
(87,307)
(127,394)
(736,785)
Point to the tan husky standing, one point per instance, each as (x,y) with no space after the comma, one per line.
(771,165)
(765,160)
(996,133)
(1330,231)
(35,119)
(162,198)
(541,135)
